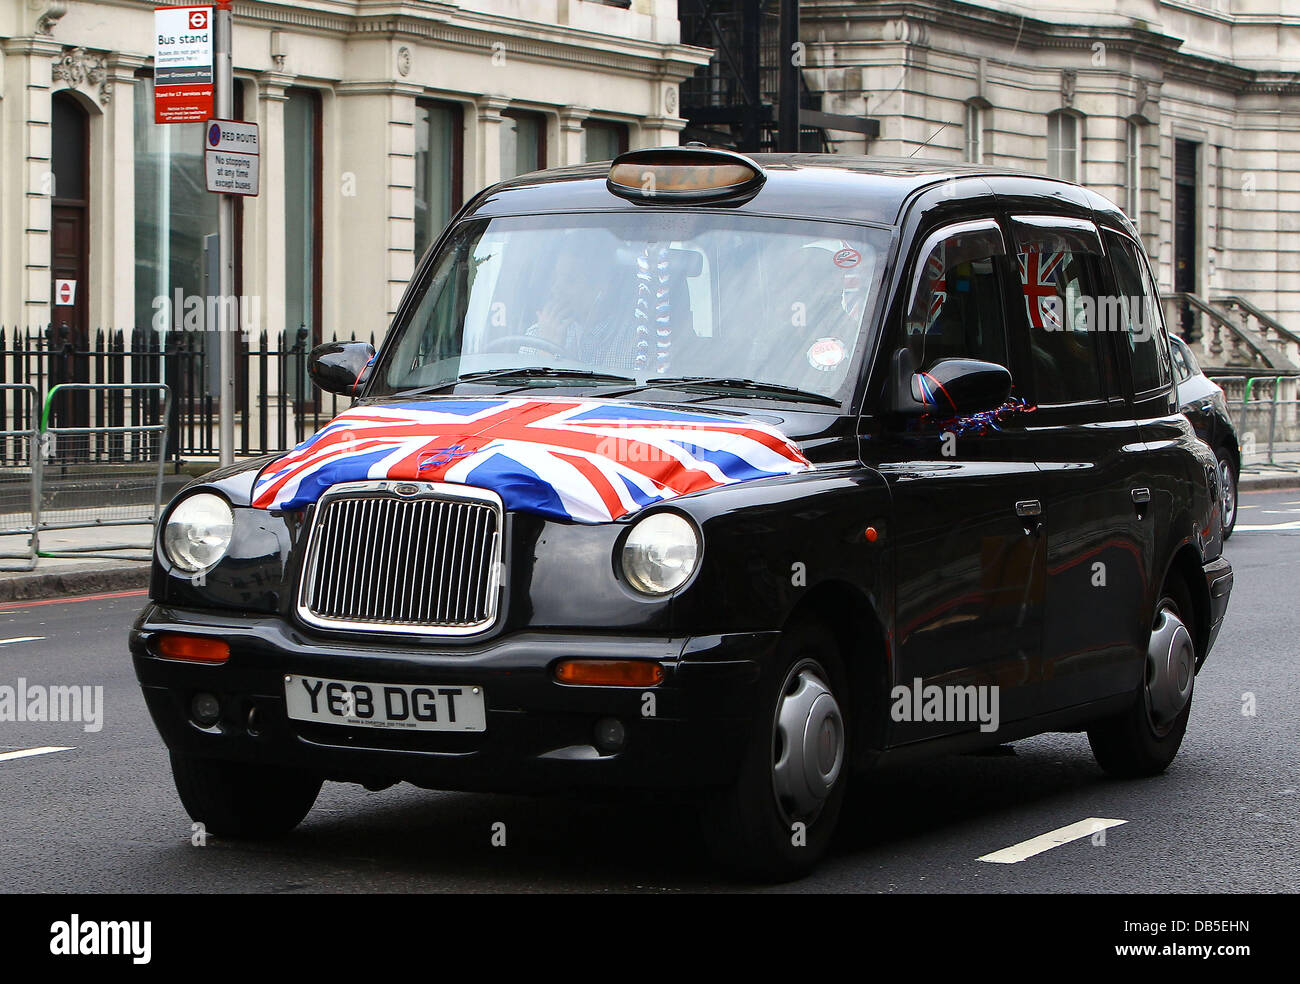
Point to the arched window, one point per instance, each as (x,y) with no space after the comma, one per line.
(1063,145)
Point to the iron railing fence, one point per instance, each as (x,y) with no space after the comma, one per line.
(277,407)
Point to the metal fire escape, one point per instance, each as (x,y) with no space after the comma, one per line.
(749,97)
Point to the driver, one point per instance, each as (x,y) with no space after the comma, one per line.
(589,314)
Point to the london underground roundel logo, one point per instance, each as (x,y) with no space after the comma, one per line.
(198,20)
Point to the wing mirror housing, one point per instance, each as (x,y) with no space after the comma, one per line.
(952,386)
(341,367)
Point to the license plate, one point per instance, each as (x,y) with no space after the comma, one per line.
(422,707)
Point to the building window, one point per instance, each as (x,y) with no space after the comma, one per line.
(523,143)
(302,206)
(1222,183)
(974,133)
(1133,172)
(603,141)
(439,161)
(175,216)
(1063,145)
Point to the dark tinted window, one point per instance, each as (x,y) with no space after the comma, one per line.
(1180,355)
(1138,316)
(956,306)
(1071,362)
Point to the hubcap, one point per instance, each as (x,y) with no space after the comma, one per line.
(807,742)
(1171,660)
(1229,493)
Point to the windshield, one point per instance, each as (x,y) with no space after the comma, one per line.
(621,300)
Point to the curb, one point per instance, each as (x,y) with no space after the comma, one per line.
(1260,483)
(27,586)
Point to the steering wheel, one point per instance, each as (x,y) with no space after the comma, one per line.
(516,342)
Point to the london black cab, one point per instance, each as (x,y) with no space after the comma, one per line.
(708,472)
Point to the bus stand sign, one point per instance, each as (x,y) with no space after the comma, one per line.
(183,77)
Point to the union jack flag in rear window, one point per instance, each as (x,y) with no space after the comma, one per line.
(1038,280)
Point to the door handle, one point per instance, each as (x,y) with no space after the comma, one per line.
(1141,496)
(1029,509)
(1031,512)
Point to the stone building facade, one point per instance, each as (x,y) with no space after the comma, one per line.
(377,120)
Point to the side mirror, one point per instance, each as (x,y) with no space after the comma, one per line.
(961,386)
(340,367)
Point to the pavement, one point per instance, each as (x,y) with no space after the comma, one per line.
(90,806)
(1276,470)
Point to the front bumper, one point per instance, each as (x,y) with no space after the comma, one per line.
(540,733)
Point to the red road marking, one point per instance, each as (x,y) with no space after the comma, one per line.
(9,606)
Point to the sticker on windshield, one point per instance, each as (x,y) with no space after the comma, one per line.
(847,258)
(826,353)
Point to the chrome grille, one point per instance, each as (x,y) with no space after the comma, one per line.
(403,557)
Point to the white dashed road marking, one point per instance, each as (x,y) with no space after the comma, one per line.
(1045,842)
(6,642)
(1276,528)
(27,752)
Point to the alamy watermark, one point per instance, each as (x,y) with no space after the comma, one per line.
(37,704)
(203,312)
(951,703)
(1109,312)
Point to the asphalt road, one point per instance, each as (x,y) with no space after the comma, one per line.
(102,815)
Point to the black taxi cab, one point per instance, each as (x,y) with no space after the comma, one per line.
(697,471)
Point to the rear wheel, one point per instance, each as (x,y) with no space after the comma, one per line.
(232,799)
(776,820)
(1228,491)
(1144,739)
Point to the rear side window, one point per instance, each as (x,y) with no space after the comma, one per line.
(1141,325)
(956,305)
(1059,274)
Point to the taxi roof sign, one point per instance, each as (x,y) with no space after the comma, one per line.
(684,174)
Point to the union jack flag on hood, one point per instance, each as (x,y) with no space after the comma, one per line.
(578,460)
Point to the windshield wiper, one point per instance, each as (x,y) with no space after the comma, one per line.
(774,390)
(544,372)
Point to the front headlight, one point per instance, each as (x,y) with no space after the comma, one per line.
(660,553)
(198,532)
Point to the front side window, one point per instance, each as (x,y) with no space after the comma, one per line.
(956,305)
(640,296)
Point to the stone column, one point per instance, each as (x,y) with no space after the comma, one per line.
(571,134)
(26,182)
(489,142)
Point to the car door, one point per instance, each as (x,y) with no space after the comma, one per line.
(1090,452)
(1166,469)
(969,557)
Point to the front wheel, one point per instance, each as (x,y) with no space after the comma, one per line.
(775,821)
(1228,492)
(232,799)
(1144,739)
